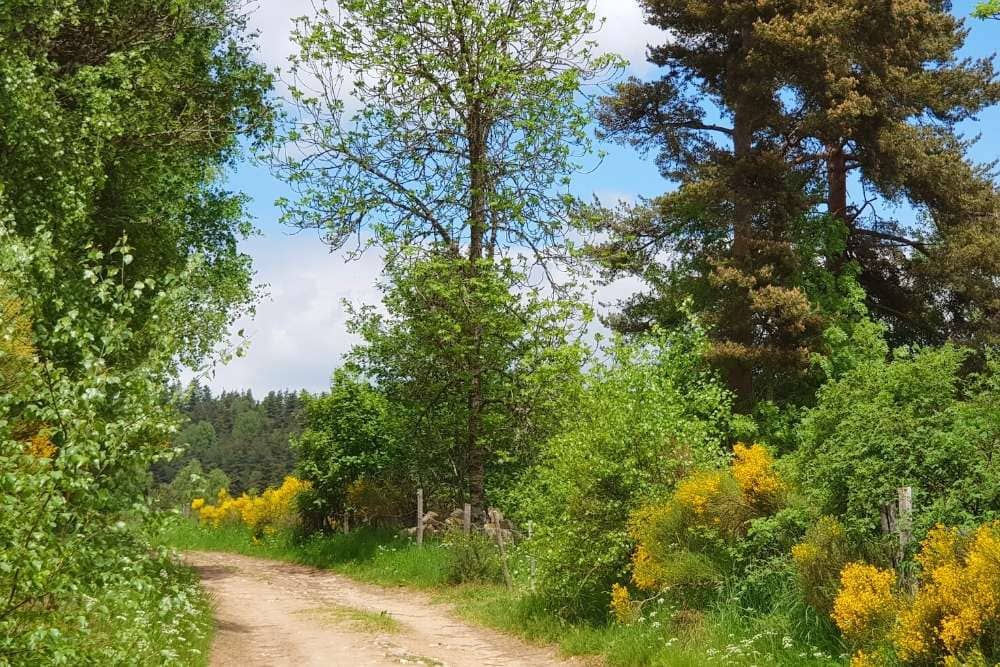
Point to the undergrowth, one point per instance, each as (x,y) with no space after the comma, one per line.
(725,634)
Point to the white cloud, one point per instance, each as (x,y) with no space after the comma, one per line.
(299,333)
(626,34)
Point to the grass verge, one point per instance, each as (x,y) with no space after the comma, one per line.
(665,637)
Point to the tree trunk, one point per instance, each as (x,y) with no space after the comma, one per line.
(836,203)
(836,174)
(476,136)
(739,373)
(740,327)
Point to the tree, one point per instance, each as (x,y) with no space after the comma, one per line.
(448,125)
(806,98)
(987,10)
(879,91)
(349,436)
(526,366)
(730,227)
(137,106)
(118,251)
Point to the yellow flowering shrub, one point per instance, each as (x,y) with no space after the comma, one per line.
(698,491)
(270,511)
(646,572)
(819,560)
(686,543)
(866,602)
(753,469)
(622,606)
(952,618)
(958,602)
(40,446)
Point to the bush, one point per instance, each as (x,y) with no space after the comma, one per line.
(275,509)
(347,438)
(472,558)
(913,421)
(654,414)
(819,559)
(953,615)
(688,545)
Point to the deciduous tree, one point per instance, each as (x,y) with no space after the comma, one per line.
(449,125)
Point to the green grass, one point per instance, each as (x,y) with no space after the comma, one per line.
(359,619)
(726,634)
(378,557)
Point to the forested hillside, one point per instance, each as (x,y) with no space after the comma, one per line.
(247,439)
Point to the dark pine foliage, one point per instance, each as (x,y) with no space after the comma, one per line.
(245,438)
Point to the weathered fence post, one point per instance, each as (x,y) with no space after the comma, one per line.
(467,519)
(905,520)
(531,560)
(897,520)
(496,518)
(420,517)
(347,522)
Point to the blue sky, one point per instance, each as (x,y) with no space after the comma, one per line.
(299,335)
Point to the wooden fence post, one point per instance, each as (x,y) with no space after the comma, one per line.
(347,522)
(420,517)
(531,560)
(496,519)
(905,518)
(467,519)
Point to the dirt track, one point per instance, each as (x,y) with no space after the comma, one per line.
(271,613)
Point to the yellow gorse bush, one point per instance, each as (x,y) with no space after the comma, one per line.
(680,541)
(622,606)
(753,469)
(698,491)
(270,511)
(954,612)
(959,596)
(866,601)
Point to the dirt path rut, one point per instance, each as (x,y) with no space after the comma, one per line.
(273,614)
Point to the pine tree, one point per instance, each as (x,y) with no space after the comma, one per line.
(812,95)
(878,92)
(729,228)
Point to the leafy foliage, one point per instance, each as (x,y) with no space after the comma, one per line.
(527,359)
(348,440)
(117,258)
(652,415)
(912,421)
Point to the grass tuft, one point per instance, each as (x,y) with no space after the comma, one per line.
(358,619)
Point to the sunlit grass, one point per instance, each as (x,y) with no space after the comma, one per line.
(725,634)
(358,619)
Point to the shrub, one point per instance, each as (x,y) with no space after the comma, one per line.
(347,437)
(952,617)
(689,544)
(472,558)
(913,421)
(275,509)
(956,610)
(819,559)
(865,604)
(651,416)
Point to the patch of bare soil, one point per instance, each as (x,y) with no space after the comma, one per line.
(270,613)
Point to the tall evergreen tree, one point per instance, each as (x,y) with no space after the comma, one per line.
(730,227)
(802,99)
